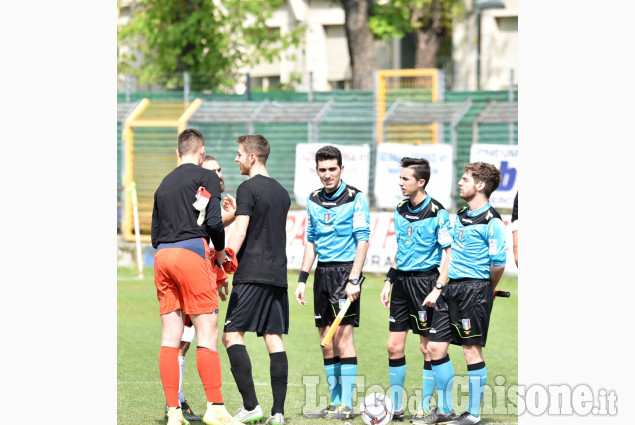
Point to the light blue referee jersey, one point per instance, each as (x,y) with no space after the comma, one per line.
(422,233)
(337,223)
(479,241)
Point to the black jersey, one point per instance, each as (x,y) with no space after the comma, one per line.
(174,216)
(263,255)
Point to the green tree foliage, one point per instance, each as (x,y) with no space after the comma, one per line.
(211,39)
(427,21)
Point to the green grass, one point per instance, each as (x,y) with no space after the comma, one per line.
(140,398)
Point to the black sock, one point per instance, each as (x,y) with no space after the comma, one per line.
(241,369)
(279,370)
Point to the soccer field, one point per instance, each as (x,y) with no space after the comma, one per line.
(140,398)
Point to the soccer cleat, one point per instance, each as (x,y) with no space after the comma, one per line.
(175,416)
(188,413)
(398,415)
(249,416)
(165,415)
(421,413)
(436,417)
(216,414)
(466,418)
(277,419)
(320,413)
(341,412)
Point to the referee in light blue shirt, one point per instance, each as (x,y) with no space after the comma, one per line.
(338,232)
(422,228)
(462,312)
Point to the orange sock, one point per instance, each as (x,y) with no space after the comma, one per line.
(208,363)
(170,372)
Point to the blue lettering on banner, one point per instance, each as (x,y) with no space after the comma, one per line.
(508,176)
(497,153)
(389,156)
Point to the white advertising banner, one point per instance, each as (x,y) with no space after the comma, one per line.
(355,160)
(382,245)
(505,158)
(387,191)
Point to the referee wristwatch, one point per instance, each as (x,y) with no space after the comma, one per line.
(353,281)
(438,285)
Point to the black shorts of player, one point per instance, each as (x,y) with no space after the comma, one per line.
(408,292)
(462,312)
(329,294)
(258,307)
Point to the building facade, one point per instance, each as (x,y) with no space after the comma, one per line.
(322,62)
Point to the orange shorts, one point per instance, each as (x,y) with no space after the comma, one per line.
(184,277)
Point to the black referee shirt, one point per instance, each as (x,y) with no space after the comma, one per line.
(174,217)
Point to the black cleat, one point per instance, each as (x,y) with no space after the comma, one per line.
(188,413)
(466,419)
(321,413)
(398,415)
(436,417)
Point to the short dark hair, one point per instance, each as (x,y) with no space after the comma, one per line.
(486,173)
(189,141)
(328,152)
(256,144)
(209,158)
(420,166)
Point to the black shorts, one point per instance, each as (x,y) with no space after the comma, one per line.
(329,294)
(258,307)
(462,312)
(409,289)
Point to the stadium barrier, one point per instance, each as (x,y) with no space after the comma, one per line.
(149,129)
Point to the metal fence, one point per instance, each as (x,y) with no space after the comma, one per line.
(343,118)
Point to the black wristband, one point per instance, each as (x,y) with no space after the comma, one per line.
(391,275)
(303,277)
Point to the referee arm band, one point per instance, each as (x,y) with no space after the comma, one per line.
(391,275)
(303,276)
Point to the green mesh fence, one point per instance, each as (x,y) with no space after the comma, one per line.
(479,101)
(348,119)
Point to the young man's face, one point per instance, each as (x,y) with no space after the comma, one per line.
(330,174)
(409,184)
(213,165)
(468,187)
(244,160)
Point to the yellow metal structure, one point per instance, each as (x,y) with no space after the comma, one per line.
(150,135)
(406,84)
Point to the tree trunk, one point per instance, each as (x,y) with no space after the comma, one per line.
(361,47)
(428,35)
(427,45)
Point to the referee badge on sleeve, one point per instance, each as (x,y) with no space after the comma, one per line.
(493,246)
(444,236)
(359,219)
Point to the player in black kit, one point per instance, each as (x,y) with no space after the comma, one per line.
(258,301)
